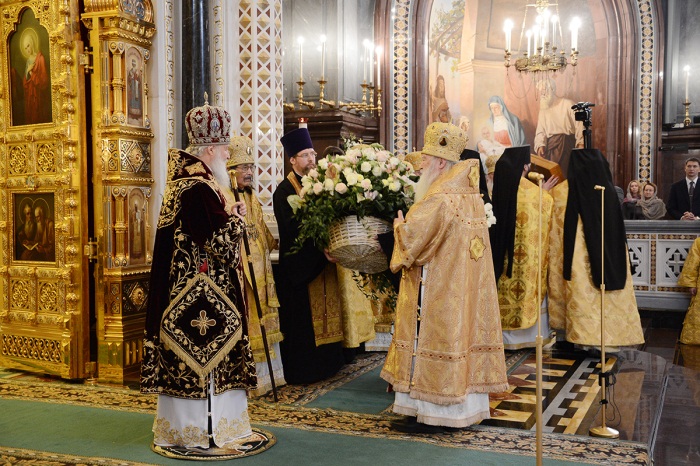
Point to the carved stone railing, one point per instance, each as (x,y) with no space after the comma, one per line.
(658,249)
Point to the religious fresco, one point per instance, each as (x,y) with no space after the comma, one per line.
(35,237)
(30,72)
(500,107)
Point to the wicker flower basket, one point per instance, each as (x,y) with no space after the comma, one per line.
(354,244)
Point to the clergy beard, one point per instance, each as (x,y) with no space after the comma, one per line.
(218,168)
(427,177)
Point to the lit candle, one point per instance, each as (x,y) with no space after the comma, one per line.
(687,75)
(555,20)
(379,62)
(575,24)
(370,58)
(529,36)
(545,25)
(364,60)
(323,57)
(300,40)
(508,28)
(536,36)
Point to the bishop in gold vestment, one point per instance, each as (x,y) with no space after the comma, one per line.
(241,166)
(690,335)
(443,369)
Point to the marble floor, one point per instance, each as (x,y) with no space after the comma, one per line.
(653,394)
(677,439)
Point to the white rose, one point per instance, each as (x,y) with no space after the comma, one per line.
(360,197)
(306,181)
(385,182)
(347,171)
(377,170)
(303,191)
(341,188)
(313,173)
(383,155)
(369,153)
(371,195)
(395,186)
(394,162)
(351,157)
(318,187)
(323,164)
(366,184)
(351,179)
(353,154)
(328,184)
(365,167)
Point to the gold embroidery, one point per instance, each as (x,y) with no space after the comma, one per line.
(203,323)
(229,431)
(196,168)
(474,176)
(476,248)
(189,437)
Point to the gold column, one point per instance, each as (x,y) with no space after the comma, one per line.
(122,33)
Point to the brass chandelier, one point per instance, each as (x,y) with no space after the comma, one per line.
(545,44)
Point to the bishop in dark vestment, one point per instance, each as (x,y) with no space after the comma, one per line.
(197,356)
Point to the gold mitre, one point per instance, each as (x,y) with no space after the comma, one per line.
(491,163)
(444,140)
(241,151)
(415,159)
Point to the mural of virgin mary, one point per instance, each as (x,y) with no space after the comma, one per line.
(507,129)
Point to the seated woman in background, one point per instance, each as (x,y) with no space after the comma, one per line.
(630,201)
(650,207)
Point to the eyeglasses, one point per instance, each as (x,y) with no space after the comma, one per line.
(308,155)
(245,168)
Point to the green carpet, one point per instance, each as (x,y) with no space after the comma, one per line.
(366,394)
(342,420)
(94,432)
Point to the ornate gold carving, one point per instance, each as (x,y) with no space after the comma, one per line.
(19,294)
(46,158)
(48,297)
(19,160)
(40,349)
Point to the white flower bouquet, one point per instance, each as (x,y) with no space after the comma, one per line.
(367,182)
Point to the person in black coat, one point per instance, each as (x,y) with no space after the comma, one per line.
(681,205)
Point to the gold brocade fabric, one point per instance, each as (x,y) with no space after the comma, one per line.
(384,315)
(326,307)
(556,285)
(261,242)
(517,296)
(690,335)
(574,305)
(358,318)
(460,343)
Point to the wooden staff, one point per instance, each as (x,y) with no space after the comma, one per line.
(246,246)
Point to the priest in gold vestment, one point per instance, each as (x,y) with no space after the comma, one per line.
(446,354)
(575,259)
(690,335)
(515,245)
(241,167)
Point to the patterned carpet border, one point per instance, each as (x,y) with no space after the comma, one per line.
(493,439)
(23,456)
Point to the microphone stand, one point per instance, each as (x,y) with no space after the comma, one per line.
(246,245)
(538,177)
(602,430)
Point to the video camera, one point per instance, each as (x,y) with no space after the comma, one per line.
(583,111)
